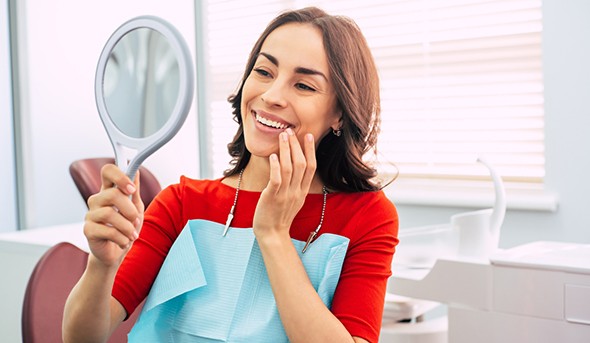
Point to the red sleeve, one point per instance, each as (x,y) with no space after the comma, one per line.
(359,298)
(163,221)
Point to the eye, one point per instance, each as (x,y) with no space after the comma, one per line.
(262,72)
(304,87)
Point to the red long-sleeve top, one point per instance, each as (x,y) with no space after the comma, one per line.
(368,219)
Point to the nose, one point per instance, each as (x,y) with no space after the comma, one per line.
(275,95)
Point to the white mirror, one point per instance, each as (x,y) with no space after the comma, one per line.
(144,88)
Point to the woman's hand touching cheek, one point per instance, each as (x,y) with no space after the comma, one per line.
(291,174)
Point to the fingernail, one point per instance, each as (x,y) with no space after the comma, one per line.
(135,235)
(130,188)
(136,222)
(274,157)
(289,132)
(309,137)
(284,136)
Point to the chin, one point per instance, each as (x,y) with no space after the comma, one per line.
(262,153)
(259,149)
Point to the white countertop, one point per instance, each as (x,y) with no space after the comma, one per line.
(556,256)
(48,236)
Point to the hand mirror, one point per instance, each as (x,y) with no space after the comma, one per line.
(144,88)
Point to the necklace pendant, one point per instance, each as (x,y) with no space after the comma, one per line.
(309,240)
(230,217)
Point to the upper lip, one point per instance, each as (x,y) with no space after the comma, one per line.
(272,117)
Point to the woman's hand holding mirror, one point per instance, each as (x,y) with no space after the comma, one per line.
(114,216)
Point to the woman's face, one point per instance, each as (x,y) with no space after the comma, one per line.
(289,87)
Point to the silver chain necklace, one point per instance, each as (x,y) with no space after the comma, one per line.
(312,234)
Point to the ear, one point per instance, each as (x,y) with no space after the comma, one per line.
(337,122)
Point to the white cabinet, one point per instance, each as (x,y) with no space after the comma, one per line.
(538,292)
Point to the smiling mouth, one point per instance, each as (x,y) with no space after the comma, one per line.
(270,123)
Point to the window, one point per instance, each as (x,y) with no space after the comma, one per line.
(459,78)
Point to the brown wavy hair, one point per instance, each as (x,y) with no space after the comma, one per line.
(353,74)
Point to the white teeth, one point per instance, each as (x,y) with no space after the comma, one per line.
(270,123)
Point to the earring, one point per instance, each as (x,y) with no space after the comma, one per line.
(337,133)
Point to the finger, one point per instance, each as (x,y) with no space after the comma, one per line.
(285,158)
(113,197)
(311,162)
(106,197)
(139,205)
(297,160)
(100,232)
(111,217)
(274,183)
(111,176)
(136,198)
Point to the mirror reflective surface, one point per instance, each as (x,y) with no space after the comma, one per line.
(144,88)
(141,82)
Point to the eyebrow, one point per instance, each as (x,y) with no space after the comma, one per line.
(298,70)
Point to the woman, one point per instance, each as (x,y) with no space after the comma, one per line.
(294,243)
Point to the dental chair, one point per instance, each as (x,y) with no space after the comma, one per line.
(53,278)
(86,176)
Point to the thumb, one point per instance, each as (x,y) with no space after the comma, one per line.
(136,198)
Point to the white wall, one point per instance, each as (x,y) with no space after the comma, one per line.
(7,172)
(566,64)
(60,42)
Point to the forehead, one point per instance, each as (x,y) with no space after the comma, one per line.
(297,45)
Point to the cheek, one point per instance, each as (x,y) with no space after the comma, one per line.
(246,91)
(318,123)
(318,135)
(247,86)
(250,91)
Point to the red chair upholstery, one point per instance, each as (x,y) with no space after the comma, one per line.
(53,278)
(86,175)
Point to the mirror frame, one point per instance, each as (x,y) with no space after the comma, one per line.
(130,152)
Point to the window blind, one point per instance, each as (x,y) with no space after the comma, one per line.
(459,78)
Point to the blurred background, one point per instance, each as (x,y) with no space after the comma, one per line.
(508,79)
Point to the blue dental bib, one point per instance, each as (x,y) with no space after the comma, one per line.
(212,288)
